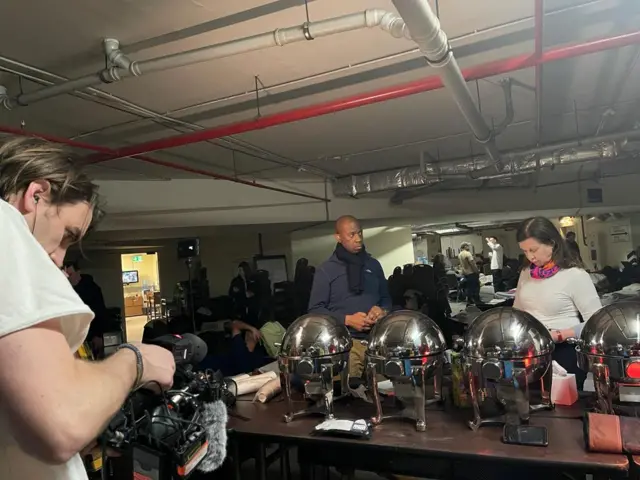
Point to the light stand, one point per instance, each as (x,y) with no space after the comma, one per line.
(189,263)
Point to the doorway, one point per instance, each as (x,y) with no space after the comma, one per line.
(141,289)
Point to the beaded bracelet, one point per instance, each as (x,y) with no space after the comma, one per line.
(139,363)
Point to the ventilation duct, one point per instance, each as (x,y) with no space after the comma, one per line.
(483,168)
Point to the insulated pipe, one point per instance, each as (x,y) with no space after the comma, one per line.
(427,84)
(517,162)
(538,27)
(175,166)
(122,67)
(424,27)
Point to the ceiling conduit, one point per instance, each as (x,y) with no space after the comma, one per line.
(120,66)
(427,84)
(424,28)
(175,166)
(607,147)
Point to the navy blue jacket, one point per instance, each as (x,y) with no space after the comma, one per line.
(330,293)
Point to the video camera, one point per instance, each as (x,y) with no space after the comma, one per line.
(170,435)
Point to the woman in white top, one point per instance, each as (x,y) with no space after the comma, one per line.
(554,287)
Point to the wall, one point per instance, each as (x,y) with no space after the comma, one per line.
(635,229)
(426,246)
(147,272)
(610,249)
(219,254)
(188,203)
(506,238)
(391,246)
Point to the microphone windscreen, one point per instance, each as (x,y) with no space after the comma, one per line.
(214,419)
(199,348)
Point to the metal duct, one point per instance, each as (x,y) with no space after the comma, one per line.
(424,27)
(381,181)
(519,163)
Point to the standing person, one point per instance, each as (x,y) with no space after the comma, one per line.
(471,274)
(53,404)
(554,288)
(240,292)
(497,259)
(574,248)
(351,287)
(91,294)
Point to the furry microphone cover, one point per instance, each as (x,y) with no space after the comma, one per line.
(214,420)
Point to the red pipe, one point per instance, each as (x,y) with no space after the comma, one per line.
(112,152)
(382,95)
(539,37)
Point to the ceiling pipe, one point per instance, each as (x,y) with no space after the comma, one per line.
(538,49)
(424,28)
(466,38)
(517,162)
(175,166)
(427,84)
(121,67)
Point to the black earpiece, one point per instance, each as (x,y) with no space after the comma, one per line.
(36,198)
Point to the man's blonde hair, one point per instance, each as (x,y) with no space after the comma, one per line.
(26,160)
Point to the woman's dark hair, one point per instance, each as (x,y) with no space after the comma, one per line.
(545,232)
(247,270)
(397,271)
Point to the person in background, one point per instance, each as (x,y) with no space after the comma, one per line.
(302,281)
(497,257)
(554,288)
(574,248)
(351,287)
(439,268)
(91,294)
(469,270)
(395,284)
(240,292)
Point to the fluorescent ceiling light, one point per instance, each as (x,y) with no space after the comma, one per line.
(445,231)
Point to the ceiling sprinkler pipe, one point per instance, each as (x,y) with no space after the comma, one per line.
(427,84)
(121,67)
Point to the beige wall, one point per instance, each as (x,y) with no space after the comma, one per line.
(147,272)
(611,249)
(391,246)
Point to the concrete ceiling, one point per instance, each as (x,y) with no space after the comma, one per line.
(64,39)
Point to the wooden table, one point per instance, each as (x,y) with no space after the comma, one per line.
(445,450)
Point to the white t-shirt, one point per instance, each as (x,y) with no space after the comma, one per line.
(33,290)
(497,255)
(556,301)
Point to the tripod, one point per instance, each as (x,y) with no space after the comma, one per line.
(189,263)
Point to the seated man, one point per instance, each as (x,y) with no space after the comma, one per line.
(250,349)
(351,287)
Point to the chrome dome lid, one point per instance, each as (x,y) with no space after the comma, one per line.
(314,335)
(506,333)
(614,330)
(406,334)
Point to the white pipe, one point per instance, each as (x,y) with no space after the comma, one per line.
(388,21)
(424,26)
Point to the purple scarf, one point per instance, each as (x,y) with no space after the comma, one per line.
(547,271)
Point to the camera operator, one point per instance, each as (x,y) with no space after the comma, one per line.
(52,405)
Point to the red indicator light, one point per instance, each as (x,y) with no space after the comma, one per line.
(633,370)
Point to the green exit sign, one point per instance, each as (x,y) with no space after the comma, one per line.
(136,258)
